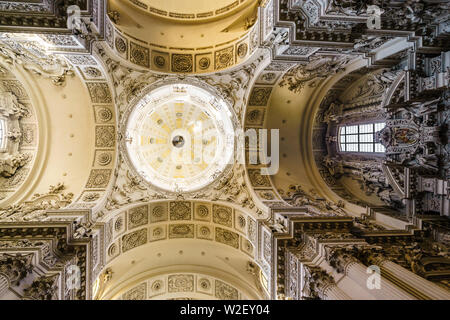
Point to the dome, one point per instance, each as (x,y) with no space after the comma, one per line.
(180,137)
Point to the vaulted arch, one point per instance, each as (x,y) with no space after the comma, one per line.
(197,234)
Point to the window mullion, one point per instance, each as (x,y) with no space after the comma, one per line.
(350,141)
(359,148)
(373,137)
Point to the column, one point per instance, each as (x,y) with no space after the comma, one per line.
(4,284)
(332,292)
(388,291)
(322,285)
(412,280)
(343,260)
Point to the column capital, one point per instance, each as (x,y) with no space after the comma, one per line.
(42,288)
(318,281)
(341,257)
(372,255)
(16,267)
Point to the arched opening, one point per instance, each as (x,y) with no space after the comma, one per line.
(181,241)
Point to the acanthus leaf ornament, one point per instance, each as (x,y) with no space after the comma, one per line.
(33,57)
(313,73)
(16,267)
(298,197)
(35,209)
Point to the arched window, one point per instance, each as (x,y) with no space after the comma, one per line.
(3,138)
(360,138)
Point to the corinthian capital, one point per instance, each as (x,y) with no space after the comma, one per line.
(340,257)
(43,288)
(16,267)
(317,281)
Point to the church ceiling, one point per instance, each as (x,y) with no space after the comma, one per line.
(100,100)
(187,43)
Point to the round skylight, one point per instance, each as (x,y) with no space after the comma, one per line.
(180,137)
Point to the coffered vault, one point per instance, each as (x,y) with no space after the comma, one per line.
(86,86)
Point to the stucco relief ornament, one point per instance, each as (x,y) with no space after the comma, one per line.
(317,281)
(317,205)
(82,230)
(279,225)
(43,288)
(14,134)
(10,106)
(340,257)
(231,187)
(233,87)
(12,111)
(117,71)
(128,83)
(423,260)
(348,7)
(411,141)
(16,267)
(369,42)
(307,251)
(35,209)
(133,87)
(34,58)
(312,74)
(11,163)
(334,113)
(373,89)
(277,38)
(130,188)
